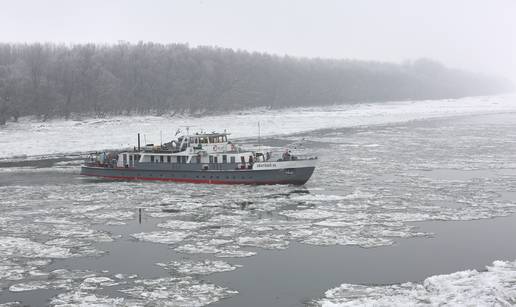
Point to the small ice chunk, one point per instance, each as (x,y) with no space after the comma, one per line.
(23,247)
(84,298)
(170,291)
(28,286)
(204,267)
(308,214)
(164,237)
(182,225)
(264,241)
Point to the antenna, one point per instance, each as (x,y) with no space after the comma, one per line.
(161,138)
(259,138)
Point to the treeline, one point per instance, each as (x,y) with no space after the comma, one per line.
(50,80)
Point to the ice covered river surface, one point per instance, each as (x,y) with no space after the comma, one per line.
(407,213)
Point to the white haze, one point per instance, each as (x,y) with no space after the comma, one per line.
(477,35)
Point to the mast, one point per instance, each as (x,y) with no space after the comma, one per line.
(259,138)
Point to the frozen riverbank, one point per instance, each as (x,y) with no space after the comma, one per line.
(29,138)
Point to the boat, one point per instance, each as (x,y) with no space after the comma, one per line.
(201,158)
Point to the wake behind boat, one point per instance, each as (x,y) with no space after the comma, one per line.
(200,158)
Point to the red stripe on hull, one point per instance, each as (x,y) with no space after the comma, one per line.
(187,180)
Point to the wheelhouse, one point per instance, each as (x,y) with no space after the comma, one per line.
(199,148)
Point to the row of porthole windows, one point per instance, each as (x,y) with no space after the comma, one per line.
(179,159)
(204,176)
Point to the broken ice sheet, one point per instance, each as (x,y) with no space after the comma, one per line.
(172,291)
(308,214)
(40,284)
(264,241)
(84,298)
(204,267)
(22,247)
(182,225)
(164,237)
(219,247)
(494,287)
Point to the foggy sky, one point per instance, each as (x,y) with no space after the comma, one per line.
(478,35)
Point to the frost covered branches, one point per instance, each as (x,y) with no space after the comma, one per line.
(50,80)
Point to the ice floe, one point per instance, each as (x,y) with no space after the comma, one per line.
(22,247)
(171,291)
(494,287)
(204,267)
(85,298)
(165,237)
(183,225)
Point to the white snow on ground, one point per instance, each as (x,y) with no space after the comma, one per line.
(494,287)
(31,138)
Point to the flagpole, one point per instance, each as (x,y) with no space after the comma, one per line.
(259,138)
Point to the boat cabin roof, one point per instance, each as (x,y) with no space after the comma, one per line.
(209,134)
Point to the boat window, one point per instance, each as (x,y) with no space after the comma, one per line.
(211,159)
(198,159)
(178,159)
(232,159)
(242,159)
(168,159)
(215,159)
(161,159)
(224,159)
(152,158)
(130,158)
(183,159)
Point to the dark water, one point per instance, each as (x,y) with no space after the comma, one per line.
(387,204)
